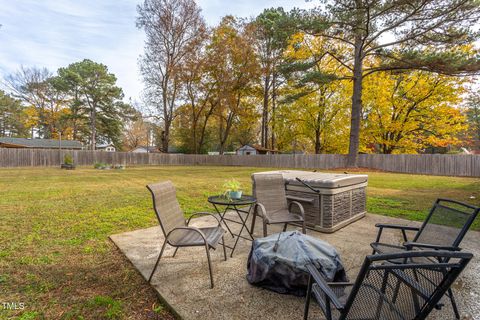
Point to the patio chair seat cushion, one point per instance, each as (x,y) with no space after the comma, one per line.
(185,237)
(283,216)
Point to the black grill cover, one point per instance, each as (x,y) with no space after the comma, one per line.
(284,270)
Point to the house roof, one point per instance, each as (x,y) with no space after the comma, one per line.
(258,148)
(40,143)
(101,146)
(245,146)
(150,149)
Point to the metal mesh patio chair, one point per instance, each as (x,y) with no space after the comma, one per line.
(269,190)
(385,290)
(444,229)
(177,231)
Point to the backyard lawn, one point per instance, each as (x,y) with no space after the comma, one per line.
(55,256)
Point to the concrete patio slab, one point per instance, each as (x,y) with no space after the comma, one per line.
(183,281)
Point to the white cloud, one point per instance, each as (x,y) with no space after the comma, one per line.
(55,33)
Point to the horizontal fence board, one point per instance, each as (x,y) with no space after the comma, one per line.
(432,164)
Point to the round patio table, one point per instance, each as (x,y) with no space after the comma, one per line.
(244,205)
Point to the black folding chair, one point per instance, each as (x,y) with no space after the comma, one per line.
(444,229)
(385,290)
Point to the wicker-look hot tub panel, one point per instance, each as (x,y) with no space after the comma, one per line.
(311,207)
(330,212)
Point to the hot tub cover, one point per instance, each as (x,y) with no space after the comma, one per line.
(320,179)
(284,271)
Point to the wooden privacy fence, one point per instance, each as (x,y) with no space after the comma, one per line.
(434,164)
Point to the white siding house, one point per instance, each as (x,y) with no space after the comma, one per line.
(106,147)
(246,150)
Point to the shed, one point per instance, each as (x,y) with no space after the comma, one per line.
(254,149)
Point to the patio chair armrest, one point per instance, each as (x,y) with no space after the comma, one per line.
(299,205)
(410,245)
(203,214)
(323,285)
(263,212)
(396,226)
(402,228)
(193,229)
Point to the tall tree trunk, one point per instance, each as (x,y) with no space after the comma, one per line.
(476,112)
(74,130)
(220,134)
(266,93)
(317,141)
(93,127)
(166,137)
(356,104)
(204,126)
(274,106)
(194,130)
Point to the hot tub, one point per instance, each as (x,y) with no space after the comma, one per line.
(330,200)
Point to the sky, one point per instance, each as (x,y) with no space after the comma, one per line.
(55,33)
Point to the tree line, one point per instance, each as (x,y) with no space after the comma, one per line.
(349,76)
(79,102)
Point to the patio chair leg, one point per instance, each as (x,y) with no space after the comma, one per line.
(454,304)
(307,300)
(209,265)
(252,229)
(304,230)
(224,250)
(158,260)
(175,252)
(264,229)
(285,227)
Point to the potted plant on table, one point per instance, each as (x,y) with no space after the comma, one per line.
(233,189)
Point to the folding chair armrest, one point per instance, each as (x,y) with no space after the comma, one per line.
(203,214)
(410,245)
(300,207)
(323,285)
(193,229)
(402,228)
(263,212)
(396,226)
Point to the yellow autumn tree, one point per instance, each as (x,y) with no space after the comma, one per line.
(317,112)
(408,112)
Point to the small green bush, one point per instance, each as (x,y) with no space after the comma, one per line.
(101,165)
(68,159)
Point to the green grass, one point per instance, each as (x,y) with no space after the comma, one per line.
(55,255)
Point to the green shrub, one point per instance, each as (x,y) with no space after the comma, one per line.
(68,159)
(101,165)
